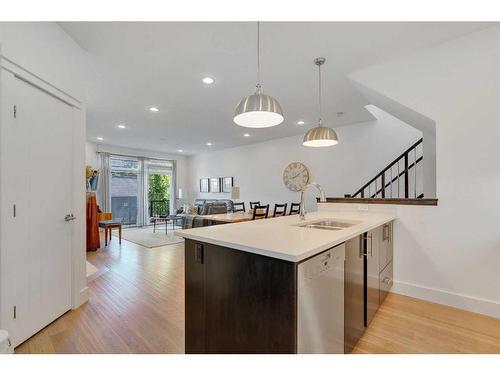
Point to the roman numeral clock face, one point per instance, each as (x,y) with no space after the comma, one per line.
(296,176)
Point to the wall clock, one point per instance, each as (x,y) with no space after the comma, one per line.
(296,176)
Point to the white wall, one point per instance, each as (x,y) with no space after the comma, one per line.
(45,50)
(451,253)
(363,151)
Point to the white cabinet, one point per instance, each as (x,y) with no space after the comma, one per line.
(36,192)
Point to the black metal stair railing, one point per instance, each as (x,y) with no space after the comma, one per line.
(402,171)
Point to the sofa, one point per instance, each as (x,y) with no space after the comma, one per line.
(205,207)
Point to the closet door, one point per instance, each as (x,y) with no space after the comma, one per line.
(39,245)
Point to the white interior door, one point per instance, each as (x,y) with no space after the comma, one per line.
(37,172)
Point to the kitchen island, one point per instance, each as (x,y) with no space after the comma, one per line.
(243,279)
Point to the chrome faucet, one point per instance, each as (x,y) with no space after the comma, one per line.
(302,195)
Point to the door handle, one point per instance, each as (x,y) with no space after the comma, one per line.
(368,236)
(69,217)
(361,252)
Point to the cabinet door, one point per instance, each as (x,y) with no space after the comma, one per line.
(354,299)
(237,302)
(385,282)
(250,302)
(372,245)
(386,245)
(194,297)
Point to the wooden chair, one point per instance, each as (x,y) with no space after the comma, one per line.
(107,223)
(280,210)
(294,208)
(253,204)
(239,207)
(257,211)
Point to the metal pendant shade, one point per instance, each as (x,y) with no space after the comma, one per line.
(258,110)
(320,136)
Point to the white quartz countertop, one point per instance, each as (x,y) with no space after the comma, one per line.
(281,237)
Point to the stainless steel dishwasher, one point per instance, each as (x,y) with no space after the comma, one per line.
(320,288)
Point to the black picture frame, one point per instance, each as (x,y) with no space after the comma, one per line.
(227,184)
(215,185)
(204,185)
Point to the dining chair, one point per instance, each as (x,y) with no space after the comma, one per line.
(239,207)
(294,208)
(257,211)
(280,210)
(253,204)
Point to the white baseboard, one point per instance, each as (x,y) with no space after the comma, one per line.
(83,297)
(468,303)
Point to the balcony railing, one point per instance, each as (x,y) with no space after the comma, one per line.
(159,208)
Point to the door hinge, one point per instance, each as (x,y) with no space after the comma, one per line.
(15,312)
(14,210)
(15,111)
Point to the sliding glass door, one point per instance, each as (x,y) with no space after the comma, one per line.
(158,187)
(135,189)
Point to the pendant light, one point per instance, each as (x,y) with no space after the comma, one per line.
(258,110)
(320,136)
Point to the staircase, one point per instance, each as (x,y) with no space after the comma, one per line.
(400,179)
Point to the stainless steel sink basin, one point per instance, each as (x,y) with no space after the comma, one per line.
(328,224)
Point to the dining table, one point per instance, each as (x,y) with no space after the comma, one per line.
(232,217)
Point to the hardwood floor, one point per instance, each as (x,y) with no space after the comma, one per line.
(137,306)
(409,325)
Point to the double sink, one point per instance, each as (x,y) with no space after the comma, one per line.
(328,224)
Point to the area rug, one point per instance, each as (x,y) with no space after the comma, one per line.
(145,237)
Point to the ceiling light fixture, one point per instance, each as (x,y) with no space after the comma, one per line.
(100,138)
(300,122)
(208,80)
(246,135)
(209,143)
(180,150)
(154,109)
(121,126)
(320,136)
(258,110)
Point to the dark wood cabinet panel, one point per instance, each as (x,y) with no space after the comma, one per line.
(372,241)
(240,302)
(354,300)
(194,298)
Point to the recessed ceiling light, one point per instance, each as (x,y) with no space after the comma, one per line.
(100,138)
(300,122)
(154,109)
(180,150)
(208,80)
(246,135)
(121,126)
(209,143)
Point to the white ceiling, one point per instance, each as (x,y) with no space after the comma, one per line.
(136,65)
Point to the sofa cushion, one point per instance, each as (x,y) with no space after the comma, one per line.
(216,208)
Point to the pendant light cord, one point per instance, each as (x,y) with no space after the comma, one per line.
(258,56)
(319,96)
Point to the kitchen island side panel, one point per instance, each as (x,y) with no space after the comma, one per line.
(245,303)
